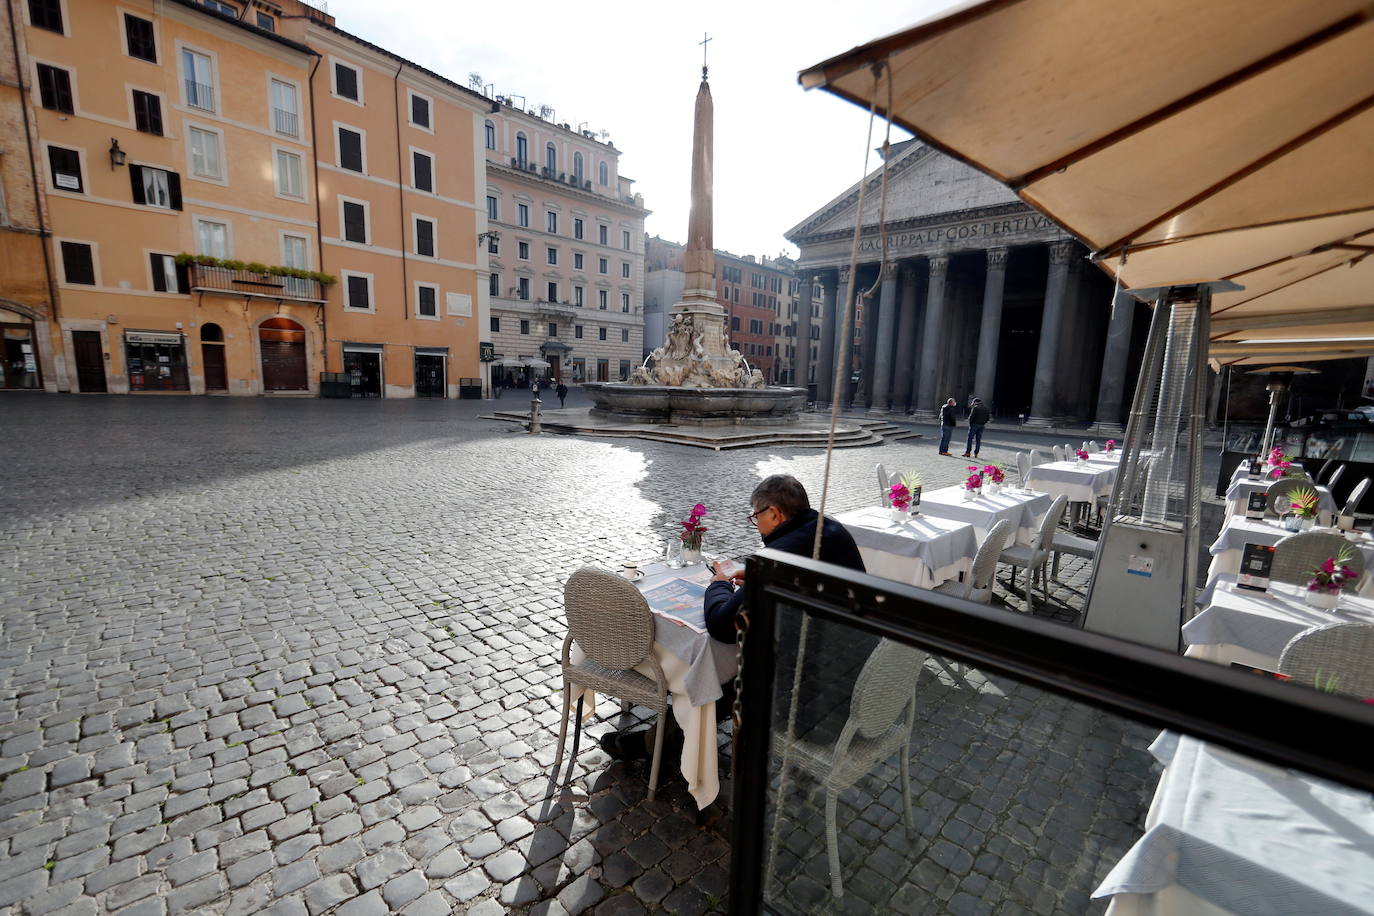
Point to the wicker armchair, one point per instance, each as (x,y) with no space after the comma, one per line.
(1352,504)
(1298,554)
(1035,557)
(611,623)
(883,484)
(882,715)
(1278,495)
(1058,451)
(1023,466)
(1338,658)
(1335,476)
(977,585)
(1037,458)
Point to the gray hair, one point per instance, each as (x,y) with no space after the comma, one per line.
(784,493)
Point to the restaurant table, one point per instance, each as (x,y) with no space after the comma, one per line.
(1251,628)
(1226,834)
(1079,484)
(1024,509)
(1239,531)
(924,551)
(1238,494)
(695,665)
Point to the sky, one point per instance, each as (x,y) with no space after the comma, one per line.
(632,69)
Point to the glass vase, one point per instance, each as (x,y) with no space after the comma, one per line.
(898,515)
(691,556)
(1323,600)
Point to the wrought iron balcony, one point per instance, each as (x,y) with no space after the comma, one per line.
(251,283)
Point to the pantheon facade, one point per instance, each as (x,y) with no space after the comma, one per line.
(979,295)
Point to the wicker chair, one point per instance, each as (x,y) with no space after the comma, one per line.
(611,623)
(1037,458)
(883,484)
(1352,504)
(977,585)
(1035,556)
(1058,452)
(1335,476)
(1023,466)
(882,715)
(1337,658)
(1298,554)
(1278,495)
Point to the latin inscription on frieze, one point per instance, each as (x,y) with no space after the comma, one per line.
(981,231)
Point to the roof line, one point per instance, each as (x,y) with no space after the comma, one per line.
(246,26)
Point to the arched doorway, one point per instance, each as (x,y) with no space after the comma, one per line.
(212,357)
(282,342)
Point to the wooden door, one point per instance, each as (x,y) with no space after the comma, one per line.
(283,365)
(555,368)
(90,361)
(216,378)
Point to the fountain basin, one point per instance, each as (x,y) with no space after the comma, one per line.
(696,406)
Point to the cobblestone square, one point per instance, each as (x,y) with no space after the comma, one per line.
(300,656)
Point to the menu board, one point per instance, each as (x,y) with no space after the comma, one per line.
(1255,504)
(1256,562)
(1254,469)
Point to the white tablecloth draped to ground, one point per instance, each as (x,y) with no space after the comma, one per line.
(1080,484)
(1023,509)
(1239,493)
(1249,627)
(1239,531)
(1229,834)
(924,551)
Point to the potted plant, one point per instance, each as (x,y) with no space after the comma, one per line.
(692,530)
(1305,503)
(899,501)
(1324,589)
(995,476)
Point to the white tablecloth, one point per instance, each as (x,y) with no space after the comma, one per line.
(1239,493)
(1079,484)
(1023,509)
(1246,837)
(1239,531)
(1239,625)
(924,551)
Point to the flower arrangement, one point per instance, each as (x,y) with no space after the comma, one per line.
(1111,445)
(692,529)
(1278,469)
(1304,502)
(1082,455)
(974,484)
(899,497)
(1333,575)
(1275,455)
(994,473)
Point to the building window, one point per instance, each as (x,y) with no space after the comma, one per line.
(734,324)
(602,234)
(624,335)
(212,238)
(138,33)
(550,159)
(419,111)
(601,300)
(227,9)
(603,174)
(290,182)
(46,14)
(359,292)
(601,265)
(266,23)
(577,169)
(493,245)
(426,301)
(577,260)
(285,112)
(522,214)
(422,172)
(293,255)
(625,269)
(200,80)
(350,150)
(424,237)
(577,228)
(553,329)
(577,331)
(600,333)
(524,326)
(354,222)
(625,239)
(495,324)
(167,275)
(148,113)
(78,263)
(205,158)
(551,221)
(66,169)
(552,255)
(577,296)
(624,369)
(522,289)
(522,250)
(553,290)
(522,150)
(491,207)
(491,135)
(155,187)
(624,302)
(494,286)
(55,89)
(346,82)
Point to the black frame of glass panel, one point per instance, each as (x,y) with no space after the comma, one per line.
(1325,736)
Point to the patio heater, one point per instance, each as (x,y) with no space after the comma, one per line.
(1146,566)
(1280,380)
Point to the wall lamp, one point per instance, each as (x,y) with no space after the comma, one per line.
(489,234)
(117,155)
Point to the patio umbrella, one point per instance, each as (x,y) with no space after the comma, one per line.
(1183,142)
(535,363)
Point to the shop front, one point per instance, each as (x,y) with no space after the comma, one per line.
(431,377)
(556,354)
(282,344)
(20,366)
(363,365)
(156,361)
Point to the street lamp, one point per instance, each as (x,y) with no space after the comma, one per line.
(117,155)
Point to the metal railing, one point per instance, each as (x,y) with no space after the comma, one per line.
(285,122)
(200,95)
(249,283)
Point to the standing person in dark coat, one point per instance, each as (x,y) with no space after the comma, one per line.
(562,392)
(949,418)
(978,416)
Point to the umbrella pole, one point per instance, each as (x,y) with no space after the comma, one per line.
(1269,427)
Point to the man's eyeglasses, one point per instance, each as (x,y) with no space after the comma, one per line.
(754,516)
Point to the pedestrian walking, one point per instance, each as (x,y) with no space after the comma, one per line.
(978,416)
(949,418)
(562,392)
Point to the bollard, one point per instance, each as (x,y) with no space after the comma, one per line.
(534,414)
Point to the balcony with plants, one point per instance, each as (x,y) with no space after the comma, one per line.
(251,278)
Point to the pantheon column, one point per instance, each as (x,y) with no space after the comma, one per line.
(991,332)
(928,371)
(883,339)
(906,337)
(825,368)
(1047,357)
(801,332)
(1112,389)
(844,349)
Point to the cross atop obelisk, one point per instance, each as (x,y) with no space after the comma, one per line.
(704,39)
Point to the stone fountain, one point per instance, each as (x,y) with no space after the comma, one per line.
(696,378)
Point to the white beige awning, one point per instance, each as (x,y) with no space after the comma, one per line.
(1181,141)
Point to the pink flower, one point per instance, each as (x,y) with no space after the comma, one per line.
(1111,444)
(1329,566)
(1082,455)
(698,510)
(974,468)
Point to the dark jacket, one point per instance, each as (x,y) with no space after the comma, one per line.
(561,390)
(978,415)
(796,535)
(949,416)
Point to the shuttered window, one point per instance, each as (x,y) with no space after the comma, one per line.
(355,222)
(346,81)
(359,294)
(148,113)
(46,14)
(350,150)
(66,169)
(139,33)
(55,88)
(78,263)
(155,187)
(168,275)
(424,237)
(427,303)
(424,172)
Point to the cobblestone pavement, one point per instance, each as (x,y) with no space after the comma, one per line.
(298,656)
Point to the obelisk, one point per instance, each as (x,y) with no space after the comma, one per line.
(699,286)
